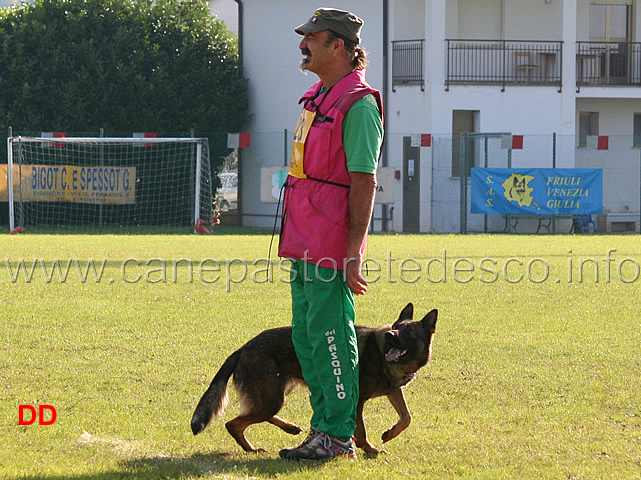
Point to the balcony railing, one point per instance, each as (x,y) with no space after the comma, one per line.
(407,63)
(608,63)
(503,62)
(520,62)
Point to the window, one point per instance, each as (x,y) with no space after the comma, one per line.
(637,130)
(588,126)
(463,121)
(610,23)
(611,26)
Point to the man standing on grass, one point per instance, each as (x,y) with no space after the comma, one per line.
(329,199)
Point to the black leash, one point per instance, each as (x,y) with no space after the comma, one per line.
(271,241)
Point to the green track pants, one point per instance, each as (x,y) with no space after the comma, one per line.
(325,341)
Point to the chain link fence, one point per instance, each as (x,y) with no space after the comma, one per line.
(431,180)
(427,189)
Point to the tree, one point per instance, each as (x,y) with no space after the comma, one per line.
(121,65)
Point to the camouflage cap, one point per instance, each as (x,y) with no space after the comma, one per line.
(344,23)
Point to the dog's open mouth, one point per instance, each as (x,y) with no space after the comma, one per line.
(395,353)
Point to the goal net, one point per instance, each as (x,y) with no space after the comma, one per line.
(109,185)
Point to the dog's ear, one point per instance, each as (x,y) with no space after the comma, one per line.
(429,322)
(407,313)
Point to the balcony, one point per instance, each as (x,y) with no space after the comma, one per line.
(407,63)
(520,63)
(608,64)
(503,62)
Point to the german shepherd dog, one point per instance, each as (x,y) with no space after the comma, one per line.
(266,369)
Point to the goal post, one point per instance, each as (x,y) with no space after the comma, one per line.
(109,184)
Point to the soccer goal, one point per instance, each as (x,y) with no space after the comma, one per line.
(109,184)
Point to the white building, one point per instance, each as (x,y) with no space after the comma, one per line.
(527,67)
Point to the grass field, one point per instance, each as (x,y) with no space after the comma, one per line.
(535,373)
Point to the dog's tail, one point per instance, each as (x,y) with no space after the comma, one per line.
(214,400)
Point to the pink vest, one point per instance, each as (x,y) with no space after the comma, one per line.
(315,225)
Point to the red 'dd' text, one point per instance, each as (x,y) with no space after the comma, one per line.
(27,415)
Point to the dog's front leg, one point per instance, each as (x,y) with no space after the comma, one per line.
(397,399)
(360,436)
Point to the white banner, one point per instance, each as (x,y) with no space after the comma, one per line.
(272,179)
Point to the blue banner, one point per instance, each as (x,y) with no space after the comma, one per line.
(537,191)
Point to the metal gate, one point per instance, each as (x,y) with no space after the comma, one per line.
(485,150)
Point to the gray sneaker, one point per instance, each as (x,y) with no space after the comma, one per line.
(321,447)
(312,434)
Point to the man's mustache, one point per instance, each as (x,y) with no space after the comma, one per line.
(305,60)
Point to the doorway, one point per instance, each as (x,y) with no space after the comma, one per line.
(411,186)
(611,27)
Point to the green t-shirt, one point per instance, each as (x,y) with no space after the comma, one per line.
(363,135)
